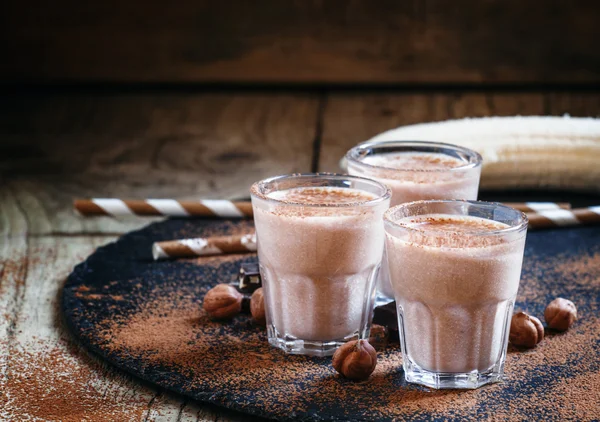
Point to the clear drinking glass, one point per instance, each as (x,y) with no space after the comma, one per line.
(320,245)
(455,268)
(416,170)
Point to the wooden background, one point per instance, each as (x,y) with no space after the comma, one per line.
(302,41)
(191,99)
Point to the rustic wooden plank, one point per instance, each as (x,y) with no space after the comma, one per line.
(13,222)
(40,363)
(43,372)
(575,104)
(169,407)
(272,41)
(13,269)
(350,118)
(56,148)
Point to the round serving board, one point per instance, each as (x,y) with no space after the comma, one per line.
(145,317)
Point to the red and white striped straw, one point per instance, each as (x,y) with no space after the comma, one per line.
(564,218)
(204,246)
(166,207)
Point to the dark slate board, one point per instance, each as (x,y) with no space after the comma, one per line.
(145,318)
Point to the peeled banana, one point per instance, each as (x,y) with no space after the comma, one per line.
(522,152)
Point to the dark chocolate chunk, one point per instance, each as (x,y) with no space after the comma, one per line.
(246,304)
(249,277)
(387,316)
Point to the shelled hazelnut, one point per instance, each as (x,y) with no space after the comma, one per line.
(379,336)
(525,330)
(257,306)
(223,301)
(355,360)
(560,314)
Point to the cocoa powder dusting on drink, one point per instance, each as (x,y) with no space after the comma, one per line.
(323,196)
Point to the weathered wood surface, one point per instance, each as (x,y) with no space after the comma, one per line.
(32,271)
(271,41)
(56,147)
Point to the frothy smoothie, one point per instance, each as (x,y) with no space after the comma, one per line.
(414,176)
(318,250)
(455,289)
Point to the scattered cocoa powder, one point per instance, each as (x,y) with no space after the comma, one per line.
(167,332)
(12,269)
(585,267)
(95,296)
(48,381)
(173,332)
(571,392)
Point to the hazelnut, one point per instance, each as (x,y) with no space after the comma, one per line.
(257,307)
(560,314)
(355,360)
(525,330)
(223,301)
(379,337)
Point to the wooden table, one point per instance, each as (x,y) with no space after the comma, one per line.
(55,146)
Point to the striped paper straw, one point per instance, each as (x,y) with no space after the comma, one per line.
(564,218)
(216,207)
(204,246)
(538,206)
(165,207)
(552,217)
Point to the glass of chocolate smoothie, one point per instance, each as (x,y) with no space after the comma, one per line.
(416,170)
(455,268)
(320,245)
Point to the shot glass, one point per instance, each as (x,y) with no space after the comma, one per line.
(320,245)
(455,268)
(416,170)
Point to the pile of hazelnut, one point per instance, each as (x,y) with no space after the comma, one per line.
(224,301)
(357,359)
(527,331)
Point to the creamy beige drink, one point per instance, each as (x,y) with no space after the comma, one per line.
(413,176)
(416,171)
(319,248)
(455,279)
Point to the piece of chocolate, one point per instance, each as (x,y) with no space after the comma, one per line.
(249,278)
(386,315)
(246,304)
